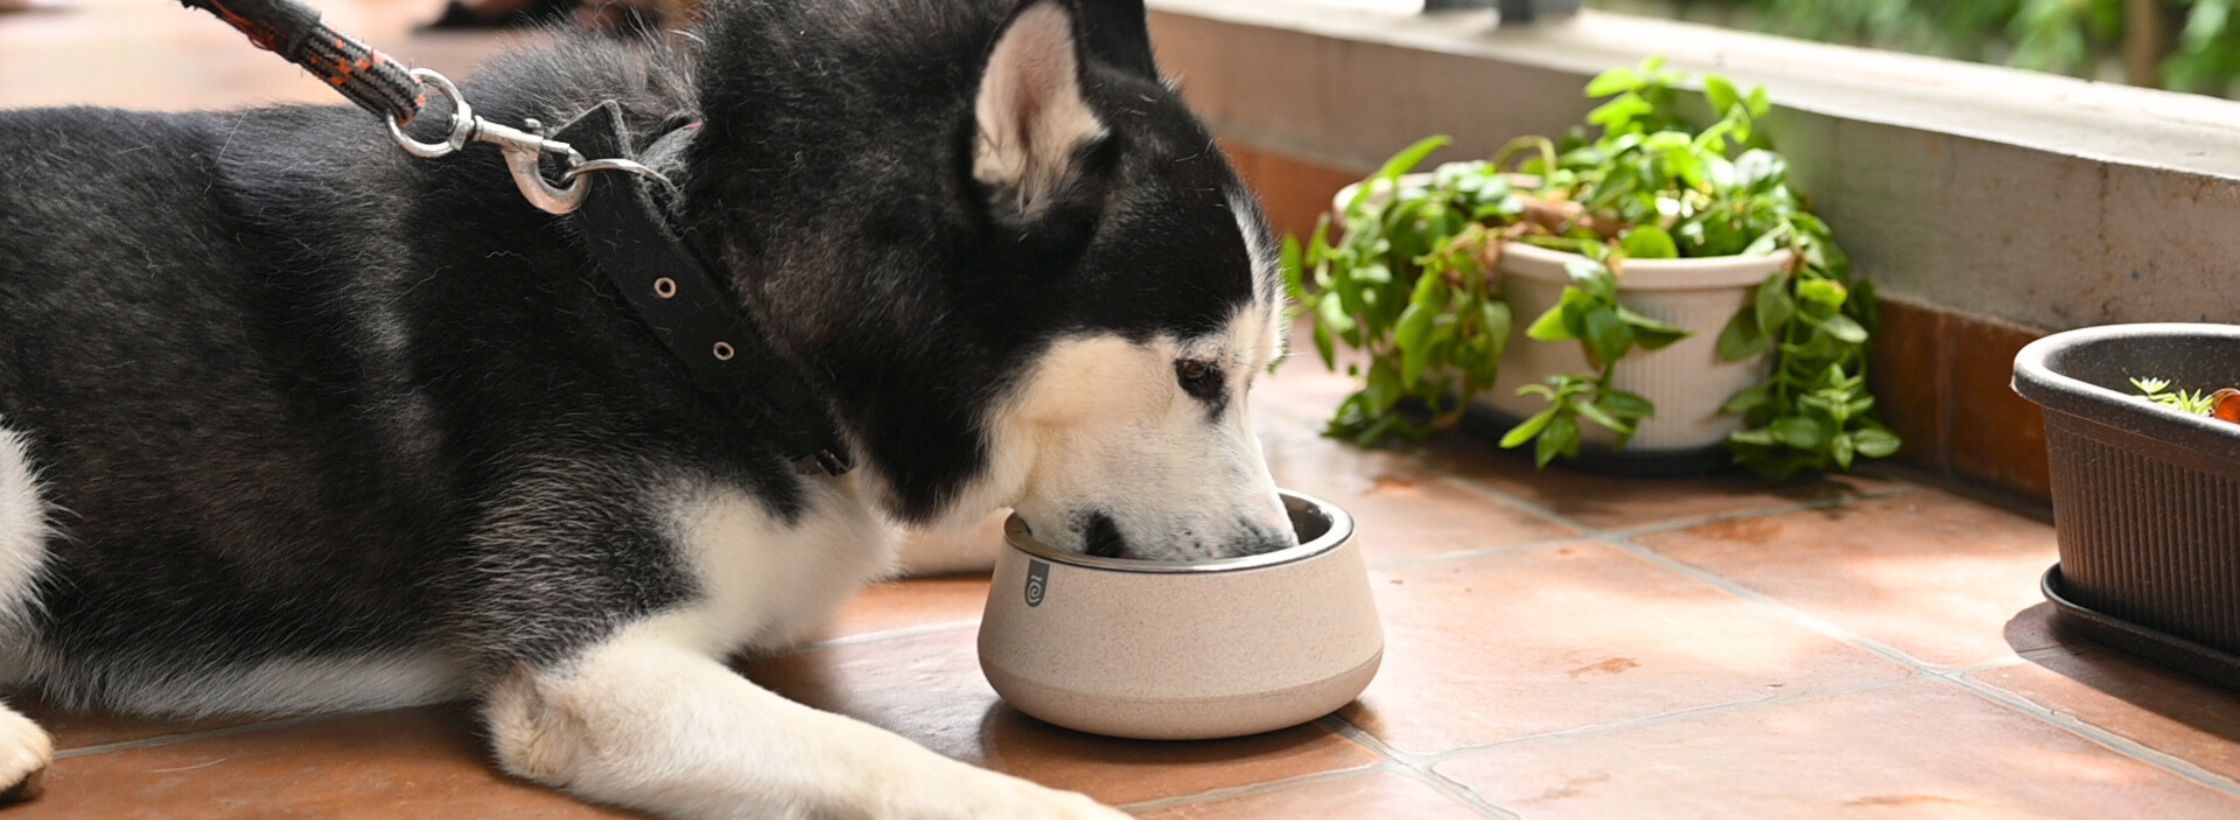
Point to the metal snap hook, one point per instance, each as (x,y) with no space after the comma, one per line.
(527,166)
(462,120)
(524,149)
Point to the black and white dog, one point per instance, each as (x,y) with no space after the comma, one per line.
(290,421)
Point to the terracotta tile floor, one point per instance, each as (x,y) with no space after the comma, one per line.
(149,55)
(1560,644)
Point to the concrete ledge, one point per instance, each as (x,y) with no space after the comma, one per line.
(2038,201)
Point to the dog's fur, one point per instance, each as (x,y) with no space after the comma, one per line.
(290,421)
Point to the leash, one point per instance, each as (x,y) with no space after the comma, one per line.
(398,94)
(630,237)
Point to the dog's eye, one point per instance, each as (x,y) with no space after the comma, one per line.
(1199,378)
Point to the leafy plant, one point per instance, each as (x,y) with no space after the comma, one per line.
(1590,314)
(2202,58)
(1411,280)
(1815,412)
(2191,402)
(1408,283)
(2182,45)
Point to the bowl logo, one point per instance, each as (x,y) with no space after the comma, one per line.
(1038,581)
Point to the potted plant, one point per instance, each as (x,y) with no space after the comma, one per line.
(1677,295)
(2144,454)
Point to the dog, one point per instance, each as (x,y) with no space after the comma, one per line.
(293,422)
(635,17)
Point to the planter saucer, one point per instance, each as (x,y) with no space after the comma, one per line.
(2208,664)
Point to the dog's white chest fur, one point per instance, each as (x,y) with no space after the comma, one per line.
(764,582)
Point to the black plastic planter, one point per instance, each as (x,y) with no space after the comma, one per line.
(2146,500)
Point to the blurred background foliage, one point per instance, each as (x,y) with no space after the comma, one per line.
(2181,45)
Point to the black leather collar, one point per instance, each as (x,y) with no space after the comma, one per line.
(666,281)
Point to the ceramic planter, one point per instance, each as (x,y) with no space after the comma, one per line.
(2146,500)
(1687,381)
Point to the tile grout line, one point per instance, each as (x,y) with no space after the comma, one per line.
(1992,496)
(1512,499)
(190,737)
(1814,505)
(2020,658)
(880,636)
(1653,721)
(1455,556)
(1955,676)
(1584,532)
(1815,623)
(1589,531)
(2111,741)
(1262,787)
(1468,797)
(1417,767)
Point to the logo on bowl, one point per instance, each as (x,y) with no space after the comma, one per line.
(1038,581)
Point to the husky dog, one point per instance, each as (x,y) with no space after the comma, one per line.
(290,421)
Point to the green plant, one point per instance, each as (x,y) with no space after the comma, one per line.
(2184,45)
(2202,58)
(2158,391)
(1815,412)
(1409,280)
(1590,314)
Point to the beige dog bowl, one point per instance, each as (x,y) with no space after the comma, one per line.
(1188,650)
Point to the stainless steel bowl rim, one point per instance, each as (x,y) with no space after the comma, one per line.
(1015,534)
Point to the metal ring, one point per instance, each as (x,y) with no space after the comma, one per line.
(462,120)
(612,164)
(665,288)
(724,352)
(618,164)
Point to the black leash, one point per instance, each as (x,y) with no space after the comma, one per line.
(293,31)
(629,235)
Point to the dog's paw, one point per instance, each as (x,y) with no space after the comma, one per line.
(983,794)
(25,751)
(1022,800)
(1078,806)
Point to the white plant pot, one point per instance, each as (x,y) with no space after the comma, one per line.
(1687,381)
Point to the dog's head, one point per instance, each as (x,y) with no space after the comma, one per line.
(1052,292)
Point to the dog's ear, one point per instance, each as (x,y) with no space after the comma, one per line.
(1117,33)
(1034,132)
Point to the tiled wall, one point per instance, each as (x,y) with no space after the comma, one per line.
(1941,377)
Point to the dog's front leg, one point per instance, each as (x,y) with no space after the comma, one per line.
(973,549)
(649,724)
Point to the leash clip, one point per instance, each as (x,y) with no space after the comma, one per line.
(524,149)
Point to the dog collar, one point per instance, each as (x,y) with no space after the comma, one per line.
(652,260)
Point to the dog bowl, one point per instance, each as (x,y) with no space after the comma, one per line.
(1184,650)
